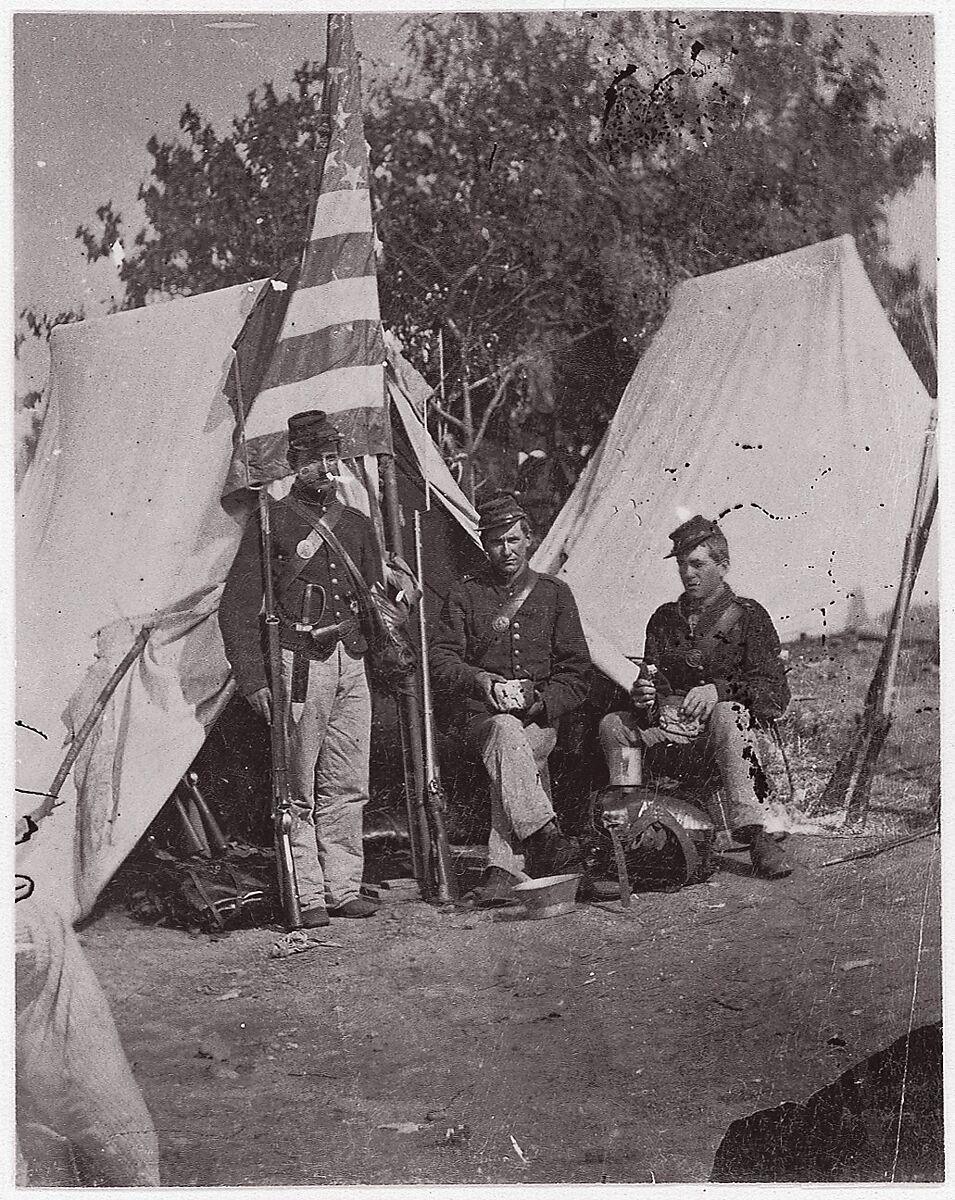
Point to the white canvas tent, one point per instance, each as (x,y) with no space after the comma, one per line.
(118,524)
(777,393)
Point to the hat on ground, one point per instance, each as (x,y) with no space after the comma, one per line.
(312,433)
(499,512)
(691,534)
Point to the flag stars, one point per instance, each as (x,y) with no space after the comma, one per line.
(341,116)
(353,176)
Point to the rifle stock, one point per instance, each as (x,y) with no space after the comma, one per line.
(434,798)
(281,797)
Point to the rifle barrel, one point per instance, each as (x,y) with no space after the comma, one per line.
(447,886)
(281,800)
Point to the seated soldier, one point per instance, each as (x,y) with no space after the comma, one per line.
(510,647)
(711,670)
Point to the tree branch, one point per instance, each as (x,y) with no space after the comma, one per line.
(444,414)
(489,412)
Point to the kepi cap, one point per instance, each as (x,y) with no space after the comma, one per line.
(691,534)
(312,433)
(500,511)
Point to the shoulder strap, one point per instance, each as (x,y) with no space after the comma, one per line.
(724,623)
(502,618)
(323,527)
(297,563)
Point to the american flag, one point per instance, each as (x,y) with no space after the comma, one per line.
(329,352)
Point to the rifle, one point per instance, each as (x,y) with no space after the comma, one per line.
(281,797)
(218,841)
(412,750)
(435,802)
(851,781)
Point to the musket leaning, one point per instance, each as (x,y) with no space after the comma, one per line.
(434,799)
(281,796)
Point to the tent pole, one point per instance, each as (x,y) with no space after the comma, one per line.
(409,709)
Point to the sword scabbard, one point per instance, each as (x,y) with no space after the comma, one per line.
(300,658)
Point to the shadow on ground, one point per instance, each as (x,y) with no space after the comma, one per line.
(881,1121)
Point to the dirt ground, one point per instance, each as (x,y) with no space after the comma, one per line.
(598,1046)
(604,1045)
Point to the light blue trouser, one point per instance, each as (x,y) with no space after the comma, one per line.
(329,742)
(728,742)
(514,755)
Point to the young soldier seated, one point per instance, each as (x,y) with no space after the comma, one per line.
(711,671)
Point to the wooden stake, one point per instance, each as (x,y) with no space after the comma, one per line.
(874,850)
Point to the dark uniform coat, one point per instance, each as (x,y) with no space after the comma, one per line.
(334,599)
(544,642)
(740,655)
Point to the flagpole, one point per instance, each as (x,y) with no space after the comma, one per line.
(340,208)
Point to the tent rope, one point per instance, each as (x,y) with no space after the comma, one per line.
(51,799)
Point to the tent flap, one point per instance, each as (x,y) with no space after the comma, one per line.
(120,523)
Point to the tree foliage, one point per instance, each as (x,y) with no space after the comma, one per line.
(539,190)
(221,210)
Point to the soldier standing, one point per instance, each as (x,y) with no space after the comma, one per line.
(511,650)
(328,702)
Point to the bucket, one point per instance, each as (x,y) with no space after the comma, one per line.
(550,896)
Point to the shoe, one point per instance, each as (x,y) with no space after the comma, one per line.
(599,889)
(496,887)
(315,917)
(361,906)
(548,852)
(768,858)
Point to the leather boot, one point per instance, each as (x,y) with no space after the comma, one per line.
(767,856)
(496,887)
(548,852)
(360,907)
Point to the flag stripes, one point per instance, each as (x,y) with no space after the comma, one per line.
(330,352)
(342,212)
(340,256)
(336,303)
(349,345)
(331,391)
